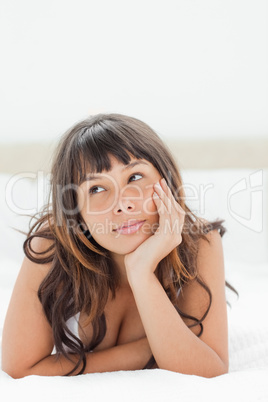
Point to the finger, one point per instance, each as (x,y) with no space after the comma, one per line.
(168,191)
(163,196)
(177,213)
(168,223)
(166,195)
(165,218)
(161,208)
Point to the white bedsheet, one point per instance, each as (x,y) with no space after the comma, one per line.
(149,385)
(248,350)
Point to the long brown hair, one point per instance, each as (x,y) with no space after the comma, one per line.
(82,272)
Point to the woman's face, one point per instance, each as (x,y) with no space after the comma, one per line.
(117,205)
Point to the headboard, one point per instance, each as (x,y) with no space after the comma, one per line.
(207,154)
(220,177)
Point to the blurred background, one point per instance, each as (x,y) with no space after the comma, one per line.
(195,71)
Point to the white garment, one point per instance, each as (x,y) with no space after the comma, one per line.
(73,326)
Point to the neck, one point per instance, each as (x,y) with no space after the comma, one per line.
(119,260)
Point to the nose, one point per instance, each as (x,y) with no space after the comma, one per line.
(124,205)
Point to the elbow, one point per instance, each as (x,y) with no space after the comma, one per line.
(221,368)
(15,374)
(206,371)
(217,371)
(14,371)
(224,368)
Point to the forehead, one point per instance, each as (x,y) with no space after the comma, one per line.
(117,167)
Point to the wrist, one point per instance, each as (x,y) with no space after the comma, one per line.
(140,278)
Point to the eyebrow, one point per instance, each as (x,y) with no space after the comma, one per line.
(127,167)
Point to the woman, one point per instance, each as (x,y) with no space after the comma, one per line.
(119,274)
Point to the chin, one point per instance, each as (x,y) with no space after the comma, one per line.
(129,245)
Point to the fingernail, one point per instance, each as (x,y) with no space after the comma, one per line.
(158,185)
(155,195)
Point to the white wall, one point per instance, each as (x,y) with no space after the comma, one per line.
(195,69)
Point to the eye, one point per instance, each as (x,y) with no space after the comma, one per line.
(96,190)
(137,176)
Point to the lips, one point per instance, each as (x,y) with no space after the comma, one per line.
(129,227)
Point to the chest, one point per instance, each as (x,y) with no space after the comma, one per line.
(123,323)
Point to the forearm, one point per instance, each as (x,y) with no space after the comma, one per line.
(174,346)
(130,356)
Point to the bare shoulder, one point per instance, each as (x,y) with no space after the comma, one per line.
(40,248)
(210,259)
(27,335)
(210,268)
(194,299)
(210,249)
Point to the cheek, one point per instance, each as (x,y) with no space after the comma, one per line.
(100,230)
(149,206)
(97,223)
(101,203)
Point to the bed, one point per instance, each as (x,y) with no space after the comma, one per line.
(218,184)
